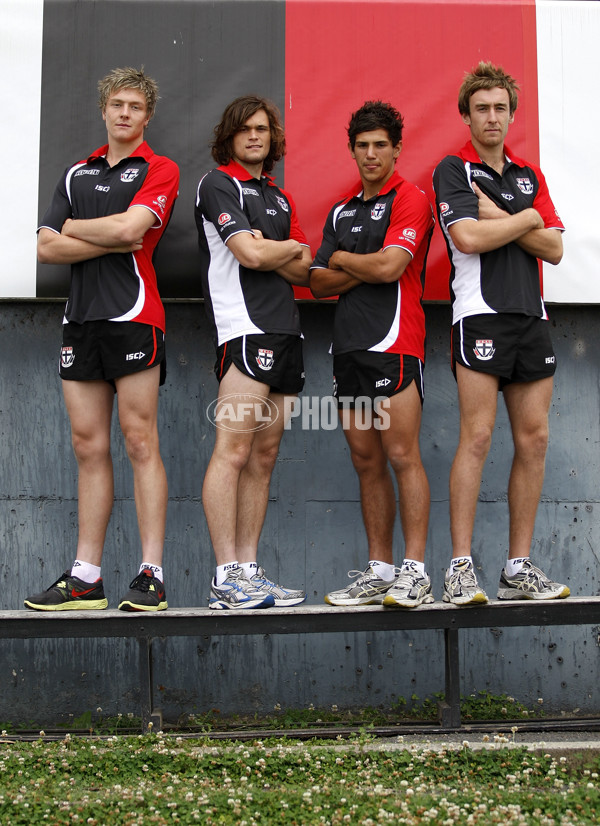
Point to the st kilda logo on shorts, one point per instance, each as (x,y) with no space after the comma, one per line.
(265,359)
(484,349)
(67,356)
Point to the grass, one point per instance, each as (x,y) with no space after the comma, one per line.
(160,779)
(481,705)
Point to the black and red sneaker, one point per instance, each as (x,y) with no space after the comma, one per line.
(69,593)
(146,593)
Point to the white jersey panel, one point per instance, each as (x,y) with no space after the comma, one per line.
(229,308)
(467,287)
(392,336)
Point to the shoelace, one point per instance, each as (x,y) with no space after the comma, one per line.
(533,575)
(468,578)
(141,582)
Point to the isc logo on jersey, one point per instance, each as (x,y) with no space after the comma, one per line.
(223,218)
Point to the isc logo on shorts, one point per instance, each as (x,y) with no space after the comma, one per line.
(134,356)
(67,356)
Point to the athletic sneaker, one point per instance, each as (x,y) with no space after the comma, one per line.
(410,590)
(236,591)
(69,593)
(460,586)
(284,597)
(146,593)
(367,589)
(530,583)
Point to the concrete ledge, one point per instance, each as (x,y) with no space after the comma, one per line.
(303,619)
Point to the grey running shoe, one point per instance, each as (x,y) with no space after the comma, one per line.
(284,597)
(460,586)
(367,589)
(530,583)
(237,592)
(410,590)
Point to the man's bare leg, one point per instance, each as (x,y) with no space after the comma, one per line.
(138,409)
(233,447)
(89,405)
(528,405)
(401,445)
(255,479)
(478,401)
(377,496)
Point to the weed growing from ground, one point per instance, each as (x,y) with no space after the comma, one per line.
(158,779)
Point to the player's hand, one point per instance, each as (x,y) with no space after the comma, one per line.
(137,245)
(257,234)
(488,210)
(65,226)
(333,263)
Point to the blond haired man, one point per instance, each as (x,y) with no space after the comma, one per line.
(106,217)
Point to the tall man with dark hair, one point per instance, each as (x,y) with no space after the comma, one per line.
(498,220)
(252,251)
(373,255)
(106,218)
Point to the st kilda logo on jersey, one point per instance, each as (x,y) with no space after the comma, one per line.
(265,359)
(525,186)
(129,175)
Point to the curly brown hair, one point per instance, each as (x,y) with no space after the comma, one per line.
(235,116)
(486,76)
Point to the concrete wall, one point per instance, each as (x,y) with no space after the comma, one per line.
(312,537)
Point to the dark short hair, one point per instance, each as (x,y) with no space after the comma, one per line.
(374,114)
(235,116)
(486,76)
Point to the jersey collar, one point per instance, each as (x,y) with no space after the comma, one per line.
(392,183)
(236,170)
(469,153)
(143,151)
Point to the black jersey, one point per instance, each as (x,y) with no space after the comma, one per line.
(241,301)
(385,318)
(507,279)
(116,286)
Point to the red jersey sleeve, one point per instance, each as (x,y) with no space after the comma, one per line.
(543,203)
(160,188)
(296,233)
(411,221)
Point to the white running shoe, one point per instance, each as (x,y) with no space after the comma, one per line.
(530,583)
(367,589)
(410,590)
(460,586)
(284,597)
(237,592)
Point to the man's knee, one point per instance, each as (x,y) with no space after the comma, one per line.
(141,444)
(90,447)
(477,442)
